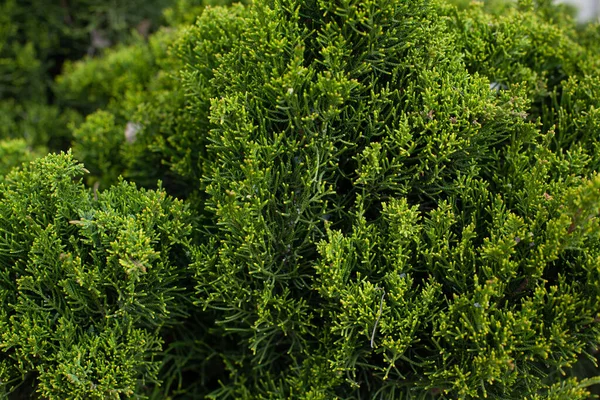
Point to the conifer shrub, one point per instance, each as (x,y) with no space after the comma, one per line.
(14,152)
(90,283)
(118,91)
(391,199)
(139,90)
(389,221)
(157,104)
(39,36)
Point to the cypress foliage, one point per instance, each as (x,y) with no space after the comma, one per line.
(39,36)
(388,223)
(135,86)
(141,90)
(387,199)
(89,283)
(14,152)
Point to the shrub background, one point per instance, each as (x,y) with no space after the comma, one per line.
(38,37)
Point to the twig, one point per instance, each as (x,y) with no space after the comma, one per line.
(378,318)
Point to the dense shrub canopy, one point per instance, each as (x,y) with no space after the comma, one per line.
(88,281)
(384,199)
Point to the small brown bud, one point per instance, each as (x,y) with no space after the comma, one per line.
(511,365)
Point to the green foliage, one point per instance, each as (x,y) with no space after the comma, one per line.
(138,93)
(37,37)
(89,282)
(121,72)
(140,86)
(186,11)
(522,48)
(14,153)
(387,199)
(99,140)
(41,125)
(386,223)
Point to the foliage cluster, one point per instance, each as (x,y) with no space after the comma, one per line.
(378,199)
(89,281)
(38,37)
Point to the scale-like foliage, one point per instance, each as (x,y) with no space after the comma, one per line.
(88,283)
(396,199)
(38,37)
(389,221)
(151,127)
(14,152)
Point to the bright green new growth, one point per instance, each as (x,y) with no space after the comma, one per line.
(395,199)
(89,282)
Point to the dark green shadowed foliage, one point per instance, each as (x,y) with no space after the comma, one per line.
(146,118)
(38,36)
(14,152)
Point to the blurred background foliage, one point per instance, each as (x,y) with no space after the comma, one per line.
(39,38)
